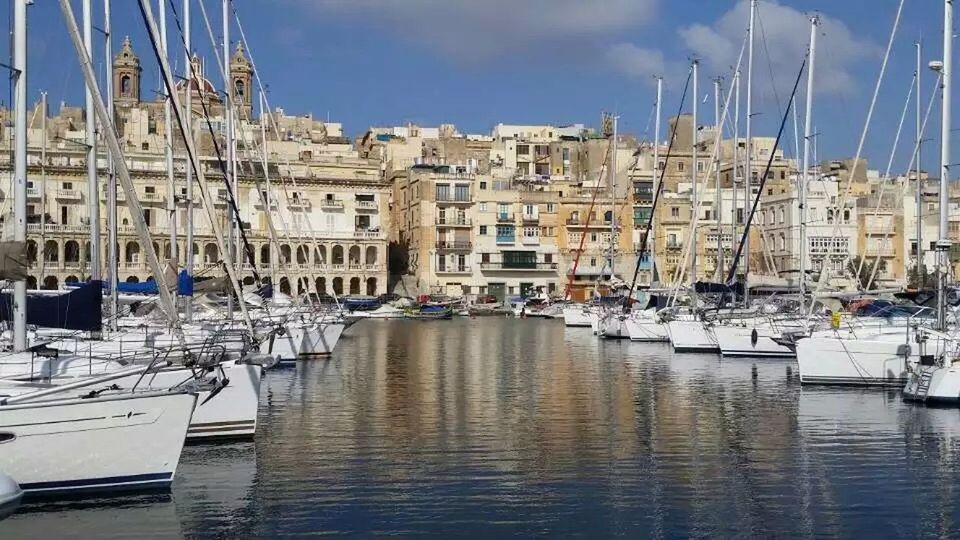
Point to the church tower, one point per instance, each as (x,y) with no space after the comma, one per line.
(241,73)
(126,75)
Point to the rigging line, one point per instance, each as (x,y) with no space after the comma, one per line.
(235,209)
(886,173)
(866,124)
(913,156)
(656,196)
(583,235)
(763,179)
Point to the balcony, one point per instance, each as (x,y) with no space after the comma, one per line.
(453,198)
(454,270)
(593,224)
(69,195)
(296,203)
(154,198)
(259,205)
(452,245)
(454,222)
(880,251)
(519,266)
(530,240)
(57,228)
(367,206)
(531,218)
(33,193)
(369,234)
(506,218)
(506,239)
(121,196)
(331,204)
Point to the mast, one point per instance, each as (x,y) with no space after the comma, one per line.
(168,137)
(268,199)
(188,100)
(807,136)
(943,245)
(693,176)
(43,182)
(921,271)
(93,188)
(613,198)
(717,200)
(736,155)
(748,179)
(112,254)
(656,180)
(228,111)
(20,164)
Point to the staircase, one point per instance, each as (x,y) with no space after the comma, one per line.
(923,384)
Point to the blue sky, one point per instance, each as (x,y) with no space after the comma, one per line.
(478,62)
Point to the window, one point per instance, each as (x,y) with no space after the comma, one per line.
(593,237)
(443,192)
(674,211)
(483,185)
(739,215)
(145,146)
(519,259)
(523,149)
(548,258)
(846,215)
(462,192)
(680,166)
(150,189)
(241,88)
(505,234)
(661,164)
(147,214)
(780,214)
(126,89)
(708,215)
(531,232)
(551,208)
(700,166)
(483,230)
(484,257)
(830,216)
(483,207)
(68,185)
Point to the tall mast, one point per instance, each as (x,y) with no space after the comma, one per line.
(717,200)
(43,183)
(748,179)
(736,155)
(93,188)
(656,180)
(188,107)
(921,271)
(266,174)
(168,137)
(20,164)
(112,254)
(228,111)
(693,176)
(613,198)
(943,245)
(807,136)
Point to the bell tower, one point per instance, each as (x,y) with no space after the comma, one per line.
(241,74)
(126,75)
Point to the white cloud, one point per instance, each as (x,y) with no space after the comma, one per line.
(786,31)
(633,61)
(478,31)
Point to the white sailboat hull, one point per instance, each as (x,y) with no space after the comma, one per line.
(877,360)
(576,316)
(934,384)
(751,340)
(691,336)
(128,442)
(614,326)
(647,329)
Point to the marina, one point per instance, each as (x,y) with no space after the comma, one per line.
(218,319)
(526,428)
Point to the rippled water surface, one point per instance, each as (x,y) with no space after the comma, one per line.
(496,427)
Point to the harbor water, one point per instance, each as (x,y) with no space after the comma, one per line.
(495,427)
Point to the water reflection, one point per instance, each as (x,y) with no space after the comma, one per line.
(498,427)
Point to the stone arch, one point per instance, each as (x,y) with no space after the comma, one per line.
(303,255)
(32,253)
(132,253)
(210,254)
(133,279)
(284,285)
(31,282)
(371,255)
(320,255)
(51,253)
(322,285)
(265,254)
(71,251)
(285,257)
(354,255)
(156,249)
(338,286)
(248,280)
(86,252)
(355,285)
(336,256)
(50,283)
(150,279)
(371,286)
(301,286)
(71,279)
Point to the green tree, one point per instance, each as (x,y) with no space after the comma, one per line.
(863,277)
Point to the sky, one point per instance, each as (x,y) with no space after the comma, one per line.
(476,63)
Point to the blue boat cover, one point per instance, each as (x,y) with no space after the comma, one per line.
(79,309)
